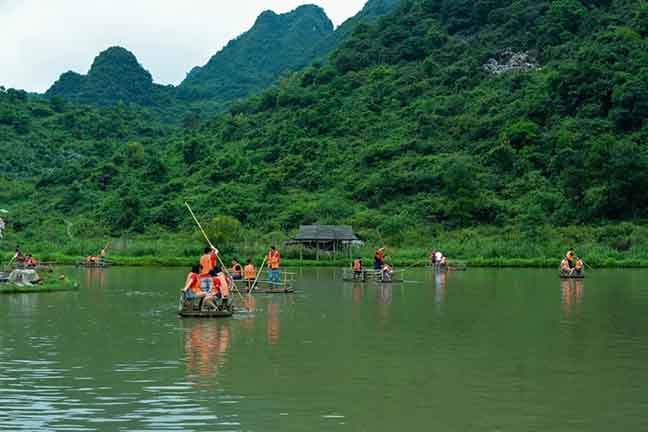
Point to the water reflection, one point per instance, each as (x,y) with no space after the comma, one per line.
(95,277)
(205,345)
(357,293)
(273,324)
(572,292)
(440,282)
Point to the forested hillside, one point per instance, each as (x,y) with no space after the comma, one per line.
(445,113)
(276,45)
(114,77)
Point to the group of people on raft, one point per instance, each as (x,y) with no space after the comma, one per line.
(210,283)
(27,261)
(100,259)
(572,265)
(382,268)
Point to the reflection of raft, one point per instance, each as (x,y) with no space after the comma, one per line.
(28,281)
(192,309)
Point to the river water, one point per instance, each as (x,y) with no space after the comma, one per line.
(483,350)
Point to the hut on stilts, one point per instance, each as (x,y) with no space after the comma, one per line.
(333,239)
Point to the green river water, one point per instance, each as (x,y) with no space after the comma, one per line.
(483,350)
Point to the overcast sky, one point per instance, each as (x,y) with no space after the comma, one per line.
(40,39)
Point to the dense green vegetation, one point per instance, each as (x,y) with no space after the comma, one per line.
(277,44)
(403,134)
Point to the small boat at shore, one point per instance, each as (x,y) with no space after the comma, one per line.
(28,281)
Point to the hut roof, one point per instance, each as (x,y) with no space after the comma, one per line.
(308,233)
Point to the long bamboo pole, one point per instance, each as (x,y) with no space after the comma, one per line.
(258,276)
(223,266)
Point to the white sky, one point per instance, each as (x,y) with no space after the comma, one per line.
(40,39)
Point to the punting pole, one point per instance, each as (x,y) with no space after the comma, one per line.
(224,267)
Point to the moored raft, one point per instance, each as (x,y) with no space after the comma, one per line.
(28,281)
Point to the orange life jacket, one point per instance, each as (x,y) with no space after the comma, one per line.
(250,272)
(193,280)
(236,270)
(207,263)
(224,285)
(274,259)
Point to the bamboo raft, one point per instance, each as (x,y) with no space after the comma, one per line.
(48,285)
(192,309)
(286,284)
(370,275)
(456,267)
(572,276)
(99,264)
(46,267)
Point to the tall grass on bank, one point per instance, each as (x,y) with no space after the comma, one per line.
(620,245)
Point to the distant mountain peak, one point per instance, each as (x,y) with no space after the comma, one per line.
(276,44)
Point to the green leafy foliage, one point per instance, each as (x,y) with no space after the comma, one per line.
(403,129)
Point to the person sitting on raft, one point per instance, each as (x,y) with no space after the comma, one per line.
(30,261)
(237,270)
(379,259)
(220,280)
(358,270)
(249,273)
(192,288)
(387,272)
(208,260)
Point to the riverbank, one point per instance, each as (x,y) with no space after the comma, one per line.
(622,245)
(477,262)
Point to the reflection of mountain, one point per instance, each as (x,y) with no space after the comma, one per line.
(205,344)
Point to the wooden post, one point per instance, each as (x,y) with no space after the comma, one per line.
(301,252)
(334,250)
(317,251)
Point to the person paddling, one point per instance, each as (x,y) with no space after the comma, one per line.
(208,260)
(379,259)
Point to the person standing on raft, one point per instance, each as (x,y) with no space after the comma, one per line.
(208,260)
(379,259)
(274,262)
